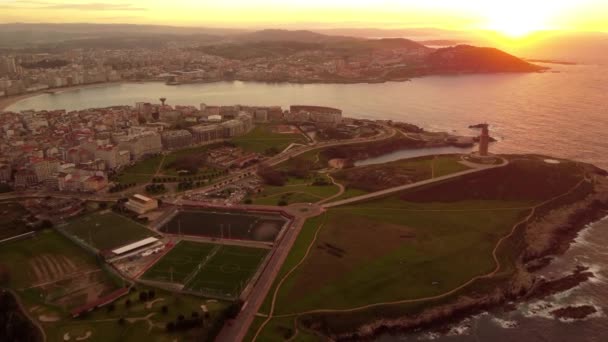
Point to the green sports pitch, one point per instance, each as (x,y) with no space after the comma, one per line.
(180,262)
(210,269)
(106,230)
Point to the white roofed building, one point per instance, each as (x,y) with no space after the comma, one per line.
(141,204)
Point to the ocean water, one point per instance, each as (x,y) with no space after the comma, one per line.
(562,113)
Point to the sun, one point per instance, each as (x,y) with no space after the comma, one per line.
(517,19)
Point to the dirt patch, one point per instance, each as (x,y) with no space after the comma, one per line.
(48,318)
(84,337)
(149,305)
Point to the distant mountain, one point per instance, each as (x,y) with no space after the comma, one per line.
(266,44)
(471,59)
(20,35)
(300,36)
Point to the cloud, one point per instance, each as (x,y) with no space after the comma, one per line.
(91,6)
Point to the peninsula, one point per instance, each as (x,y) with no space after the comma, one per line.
(101,235)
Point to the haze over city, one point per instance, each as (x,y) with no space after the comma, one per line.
(511,18)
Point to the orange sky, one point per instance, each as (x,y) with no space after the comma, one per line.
(513,18)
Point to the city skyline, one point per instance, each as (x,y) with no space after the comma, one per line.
(514,19)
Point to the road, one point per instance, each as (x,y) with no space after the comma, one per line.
(237,329)
(389,191)
(388,133)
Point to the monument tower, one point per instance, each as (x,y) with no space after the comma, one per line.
(484,141)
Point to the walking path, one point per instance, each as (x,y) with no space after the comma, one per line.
(340,192)
(406,301)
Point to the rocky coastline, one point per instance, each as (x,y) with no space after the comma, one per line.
(574,312)
(559,227)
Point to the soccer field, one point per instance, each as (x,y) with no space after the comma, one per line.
(224,224)
(180,262)
(106,230)
(228,271)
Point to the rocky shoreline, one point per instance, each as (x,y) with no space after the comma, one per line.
(574,312)
(559,227)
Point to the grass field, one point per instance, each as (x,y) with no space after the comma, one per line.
(142,172)
(296,193)
(228,271)
(180,262)
(143,321)
(368,255)
(262,138)
(382,176)
(106,230)
(412,245)
(230,225)
(10,220)
(52,268)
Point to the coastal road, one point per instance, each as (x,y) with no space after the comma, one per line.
(389,191)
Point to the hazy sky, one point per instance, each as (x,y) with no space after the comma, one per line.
(512,17)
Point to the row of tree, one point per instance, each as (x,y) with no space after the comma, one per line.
(121,186)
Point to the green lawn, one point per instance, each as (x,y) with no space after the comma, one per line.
(175,155)
(228,271)
(295,191)
(416,244)
(180,262)
(46,251)
(51,273)
(141,172)
(103,324)
(106,230)
(262,138)
(350,193)
(369,255)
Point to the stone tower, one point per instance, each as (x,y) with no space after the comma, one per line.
(484,141)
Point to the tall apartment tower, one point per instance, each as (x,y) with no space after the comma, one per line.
(484,141)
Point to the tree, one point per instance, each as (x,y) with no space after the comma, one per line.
(143,296)
(170,327)
(272,176)
(248,201)
(151,294)
(128,303)
(164,309)
(121,321)
(282,203)
(111,307)
(195,314)
(233,310)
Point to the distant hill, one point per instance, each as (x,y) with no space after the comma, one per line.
(300,36)
(471,59)
(20,35)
